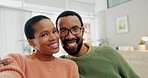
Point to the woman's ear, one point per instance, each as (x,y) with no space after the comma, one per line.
(31,42)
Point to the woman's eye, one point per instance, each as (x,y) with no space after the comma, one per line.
(44,35)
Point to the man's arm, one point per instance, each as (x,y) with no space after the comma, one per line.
(10,74)
(5,62)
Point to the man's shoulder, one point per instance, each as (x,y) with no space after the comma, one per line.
(105,49)
(14,55)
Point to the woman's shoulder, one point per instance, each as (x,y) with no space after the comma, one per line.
(66,61)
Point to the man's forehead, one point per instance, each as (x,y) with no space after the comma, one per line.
(62,27)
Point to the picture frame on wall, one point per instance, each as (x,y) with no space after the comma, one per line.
(122,24)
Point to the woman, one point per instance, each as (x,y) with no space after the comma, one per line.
(44,38)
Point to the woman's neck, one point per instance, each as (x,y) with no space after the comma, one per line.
(44,57)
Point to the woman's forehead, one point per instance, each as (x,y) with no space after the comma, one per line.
(43,24)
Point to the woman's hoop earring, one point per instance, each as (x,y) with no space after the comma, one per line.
(34,49)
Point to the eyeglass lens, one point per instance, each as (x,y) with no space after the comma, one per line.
(74,30)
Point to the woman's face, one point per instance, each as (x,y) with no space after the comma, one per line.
(46,39)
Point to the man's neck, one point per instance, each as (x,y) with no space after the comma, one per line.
(83,50)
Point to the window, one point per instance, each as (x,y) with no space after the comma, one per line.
(113,3)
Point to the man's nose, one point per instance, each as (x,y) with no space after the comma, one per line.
(70,35)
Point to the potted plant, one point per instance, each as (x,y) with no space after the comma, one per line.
(142,45)
(103,41)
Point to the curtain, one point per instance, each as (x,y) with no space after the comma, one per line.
(12,30)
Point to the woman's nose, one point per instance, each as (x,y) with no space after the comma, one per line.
(52,37)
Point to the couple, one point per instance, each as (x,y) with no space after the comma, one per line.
(92,61)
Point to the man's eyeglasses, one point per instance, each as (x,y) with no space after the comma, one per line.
(74,30)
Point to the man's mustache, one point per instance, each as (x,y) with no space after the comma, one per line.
(74,39)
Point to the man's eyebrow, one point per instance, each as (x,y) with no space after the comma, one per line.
(62,27)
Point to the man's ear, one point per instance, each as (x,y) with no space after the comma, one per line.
(31,42)
(83,30)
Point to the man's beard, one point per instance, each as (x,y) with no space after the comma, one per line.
(73,53)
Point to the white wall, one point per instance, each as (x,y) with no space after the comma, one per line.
(51,3)
(137,12)
(100,5)
(76,5)
(100,32)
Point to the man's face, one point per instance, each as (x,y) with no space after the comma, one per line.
(71,33)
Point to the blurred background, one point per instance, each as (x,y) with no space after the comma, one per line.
(121,24)
(103,20)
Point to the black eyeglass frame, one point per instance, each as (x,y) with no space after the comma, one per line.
(70,30)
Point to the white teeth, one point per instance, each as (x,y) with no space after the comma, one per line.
(55,44)
(72,44)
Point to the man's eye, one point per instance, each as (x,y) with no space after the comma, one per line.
(75,29)
(63,31)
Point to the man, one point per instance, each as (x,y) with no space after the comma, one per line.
(93,61)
